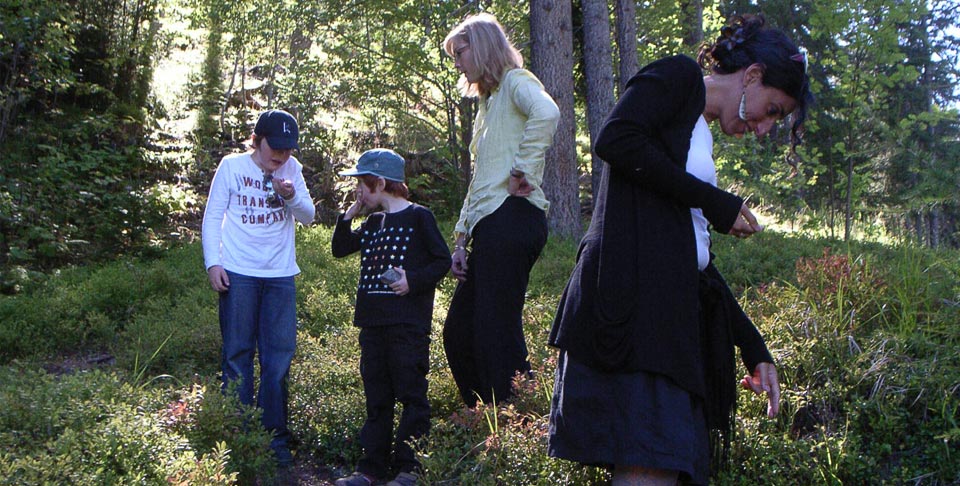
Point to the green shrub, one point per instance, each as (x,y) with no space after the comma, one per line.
(91,308)
(212,420)
(864,337)
(500,444)
(92,428)
(326,397)
(179,337)
(327,287)
(866,397)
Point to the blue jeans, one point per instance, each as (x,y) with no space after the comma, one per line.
(259,314)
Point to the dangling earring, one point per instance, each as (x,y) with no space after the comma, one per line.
(743,106)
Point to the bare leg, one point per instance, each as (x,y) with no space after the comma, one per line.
(643,476)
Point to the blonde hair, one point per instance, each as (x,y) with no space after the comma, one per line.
(490,50)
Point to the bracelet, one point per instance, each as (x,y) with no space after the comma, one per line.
(516,173)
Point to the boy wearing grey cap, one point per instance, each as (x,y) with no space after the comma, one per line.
(402,258)
(249,222)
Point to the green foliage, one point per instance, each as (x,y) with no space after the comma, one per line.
(864,337)
(127,307)
(502,443)
(856,377)
(213,422)
(75,82)
(92,428)
(36,43)
(327,403)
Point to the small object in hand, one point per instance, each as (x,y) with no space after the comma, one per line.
(273,199)
(390,276)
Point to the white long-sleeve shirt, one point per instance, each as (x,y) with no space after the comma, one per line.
(241,231)
(700,164)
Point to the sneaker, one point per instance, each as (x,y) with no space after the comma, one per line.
(404,479)
(356,479)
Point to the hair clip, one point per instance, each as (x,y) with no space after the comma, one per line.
(801,57)
(731,37)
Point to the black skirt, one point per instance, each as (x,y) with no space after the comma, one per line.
(636,419)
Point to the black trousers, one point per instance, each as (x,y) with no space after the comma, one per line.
(483,333)
(394,361)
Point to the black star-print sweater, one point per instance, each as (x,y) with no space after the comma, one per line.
(408,239)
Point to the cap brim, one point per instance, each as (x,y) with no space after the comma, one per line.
(354,172)
(282,143)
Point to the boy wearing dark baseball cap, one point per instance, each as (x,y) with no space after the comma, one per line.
(255,201)
(279,128)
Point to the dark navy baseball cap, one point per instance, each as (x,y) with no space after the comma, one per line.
(379,162)
(279,128)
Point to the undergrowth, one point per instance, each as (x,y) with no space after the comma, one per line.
(865,339)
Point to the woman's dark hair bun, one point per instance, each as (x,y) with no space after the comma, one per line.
(747,41)
(741,29)
(726,55)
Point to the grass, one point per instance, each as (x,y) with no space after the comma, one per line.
(864,335)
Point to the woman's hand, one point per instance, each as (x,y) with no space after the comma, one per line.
(746,223)
(459,263)
(764,380)
(518,186)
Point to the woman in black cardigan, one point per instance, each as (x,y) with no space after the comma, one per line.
(646,325)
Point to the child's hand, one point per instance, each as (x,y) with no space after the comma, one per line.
(400,287)
(357,208)
(284,188)
(353,210)
(219,280)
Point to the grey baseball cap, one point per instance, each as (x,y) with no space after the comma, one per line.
(379,162)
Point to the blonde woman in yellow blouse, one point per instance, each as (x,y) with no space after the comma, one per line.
(503,219)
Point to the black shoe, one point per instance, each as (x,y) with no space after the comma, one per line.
(356,479)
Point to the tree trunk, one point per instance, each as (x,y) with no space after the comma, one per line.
(626,19)
(551,59)
(598,67)
(934,226)
(468,111)
(691,18)
(848,210)
(7,113)
(227,96)
(918,226)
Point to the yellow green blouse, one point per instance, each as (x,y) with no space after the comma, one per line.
(514,126)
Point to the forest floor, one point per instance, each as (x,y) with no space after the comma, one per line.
(304,471)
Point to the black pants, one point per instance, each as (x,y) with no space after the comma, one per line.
(394,361)
(483,332)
